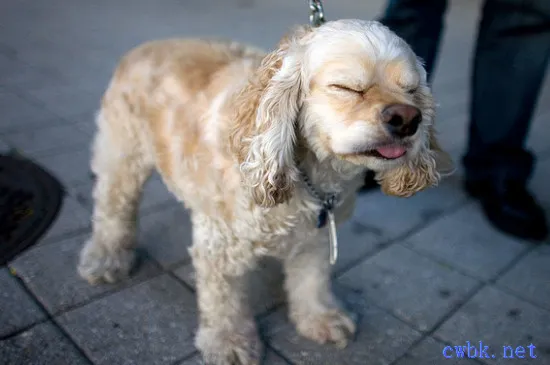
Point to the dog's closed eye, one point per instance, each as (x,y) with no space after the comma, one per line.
(344,88)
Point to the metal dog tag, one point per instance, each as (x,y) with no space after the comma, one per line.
(333,237)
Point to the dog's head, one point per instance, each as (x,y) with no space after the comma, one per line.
(355,92)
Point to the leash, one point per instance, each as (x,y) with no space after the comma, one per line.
(327,201)
(317,15)
(326,216)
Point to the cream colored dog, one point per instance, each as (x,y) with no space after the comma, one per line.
(252,143)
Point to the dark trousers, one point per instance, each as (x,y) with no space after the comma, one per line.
(511,54)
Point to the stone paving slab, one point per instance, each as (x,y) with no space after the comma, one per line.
(400,280)
(355,241)
(530,278)
(72,168)
(49,270)
(544,249)
(381,338)
(452,106)
(538,137)
(48,139)
(20,114)
(539,183)
(453,135)
(166,235)
(150,323)
(18,75)
(65,99)
(465,241)
(270,358)
(43,344)
(19,310)
(394,217)
(498,319)
(4,147)
(71,220)
(86,122)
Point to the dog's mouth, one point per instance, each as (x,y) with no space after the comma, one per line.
(387,152)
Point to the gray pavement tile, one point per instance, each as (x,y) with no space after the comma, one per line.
(543,249)
(150,323)
(7,66)
(395,216)
(17,74)
(166,235)
(539,134)
(400,280)
(57,57)
(465,241)
(265,284)
(498,319)
(430,351)
(86,122)
(381,338)
(195,360)
(155,194)
(87,127)
(355,240)
(71,168)
(530,278)
(452,105)
(453,133)
(539,184)
(270,358)
(4,147)
(48,139)
(20,114)
(71,219)
(18,308)
(65,100)
(43,344)
(49,271)
(543,105)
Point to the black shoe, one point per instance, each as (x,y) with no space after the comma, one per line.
(370,183)
(511,208)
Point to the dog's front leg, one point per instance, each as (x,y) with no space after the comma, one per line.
(313,308)
(227,333)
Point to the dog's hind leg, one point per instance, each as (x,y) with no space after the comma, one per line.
(121,166)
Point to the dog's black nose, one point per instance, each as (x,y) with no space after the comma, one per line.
(401,120)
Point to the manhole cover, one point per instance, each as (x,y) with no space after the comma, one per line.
(30,199)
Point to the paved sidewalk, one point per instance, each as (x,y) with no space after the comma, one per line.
(423,273)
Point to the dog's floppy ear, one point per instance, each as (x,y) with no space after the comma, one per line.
(425,170)
(264,130)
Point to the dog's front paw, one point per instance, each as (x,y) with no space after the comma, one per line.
(98,264)
(327,326)
(240,346)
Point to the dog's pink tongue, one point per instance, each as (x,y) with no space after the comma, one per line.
(391,151)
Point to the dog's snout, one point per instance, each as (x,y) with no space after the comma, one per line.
(401,120)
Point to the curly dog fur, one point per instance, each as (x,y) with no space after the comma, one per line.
(231,129)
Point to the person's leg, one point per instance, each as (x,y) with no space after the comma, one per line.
(511,56)
(419,23)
